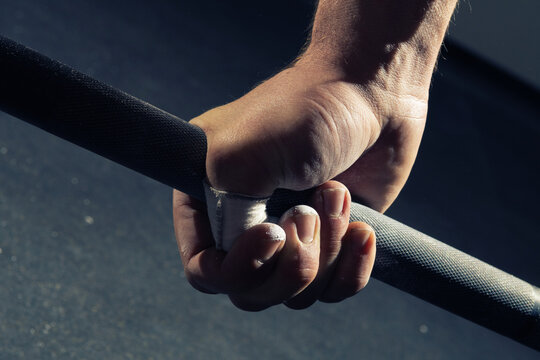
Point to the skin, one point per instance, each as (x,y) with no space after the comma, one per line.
(351,108)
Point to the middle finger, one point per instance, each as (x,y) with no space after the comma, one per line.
(332,201)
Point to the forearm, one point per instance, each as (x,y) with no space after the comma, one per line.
(388,43)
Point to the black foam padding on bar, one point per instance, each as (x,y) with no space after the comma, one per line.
(137,135)
(101,119)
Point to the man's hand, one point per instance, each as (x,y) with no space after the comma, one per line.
(353,109)
(304,259)
(305,126)
(296,131)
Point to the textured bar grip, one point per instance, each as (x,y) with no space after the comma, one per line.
(453,280)
(159,145)
(101,119)
(442,275)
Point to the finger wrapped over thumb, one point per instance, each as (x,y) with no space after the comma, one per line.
(252,257)
(296,265)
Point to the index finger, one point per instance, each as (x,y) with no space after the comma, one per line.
(248,263)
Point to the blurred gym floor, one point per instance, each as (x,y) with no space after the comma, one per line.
(88,261)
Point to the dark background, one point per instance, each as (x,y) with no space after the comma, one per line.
(89,266)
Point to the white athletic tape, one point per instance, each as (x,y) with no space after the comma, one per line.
(231,214)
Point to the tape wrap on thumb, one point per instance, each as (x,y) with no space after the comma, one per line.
(231,214)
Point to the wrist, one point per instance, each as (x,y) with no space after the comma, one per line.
(394,90)
(388,44)
(404,69)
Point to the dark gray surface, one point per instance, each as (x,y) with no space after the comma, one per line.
(89,262)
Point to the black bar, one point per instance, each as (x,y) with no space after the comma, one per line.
(99,118)
(139,136)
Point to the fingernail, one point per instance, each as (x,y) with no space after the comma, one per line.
(363,235)
(305,219)
(276,233)
(333,200)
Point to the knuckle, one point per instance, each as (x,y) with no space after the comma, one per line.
(303,271)
(308,166)
(311,162)
(306,275)
(303,277)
